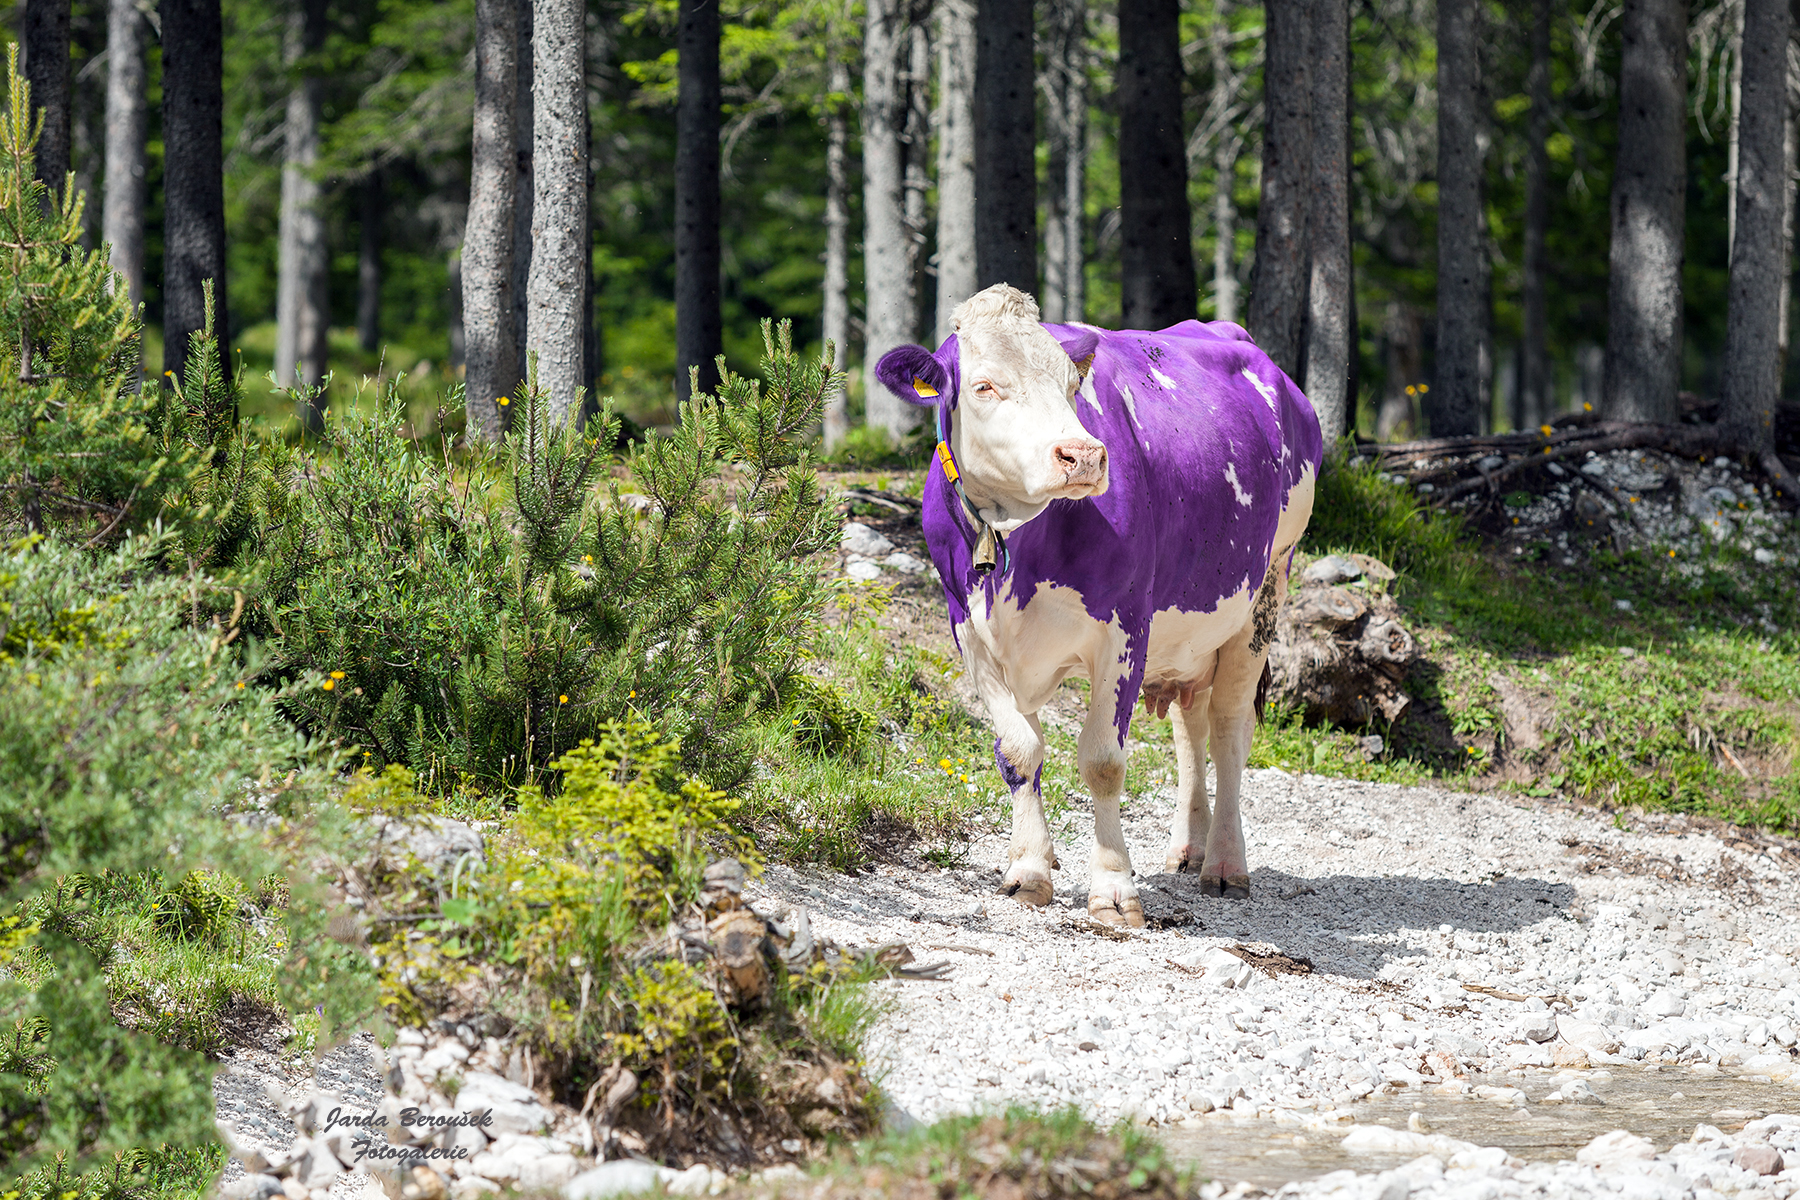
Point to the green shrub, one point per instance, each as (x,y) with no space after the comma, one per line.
(477,622)
(119,746)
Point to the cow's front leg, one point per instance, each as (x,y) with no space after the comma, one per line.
(1019,754)
(1112,897)
(1189,827)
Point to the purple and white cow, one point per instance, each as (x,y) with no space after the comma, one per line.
(1138,496)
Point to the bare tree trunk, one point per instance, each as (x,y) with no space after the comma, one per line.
(699,335)
(87,103)
(917,142)
(46,68)
(1330,322)
(488,298)
(453,297)
(1065,175)
(1453,405)
(1405,367)
(1220,105)
(836,323)
(302,289)
(1280,278)
(1759,269)
(559,156)
(368,262)
(524,189)
(1533,407)
(127,125)
(1792,142)
(1005,145)
(956,159)
(1156,250)
(887,242)
(193,175)
(1649,201)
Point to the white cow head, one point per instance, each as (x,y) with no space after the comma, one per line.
(1010,386)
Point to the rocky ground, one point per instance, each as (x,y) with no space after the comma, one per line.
(1399,939)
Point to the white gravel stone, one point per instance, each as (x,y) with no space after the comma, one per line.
(858,538)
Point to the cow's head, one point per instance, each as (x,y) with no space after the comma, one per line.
(1010,385)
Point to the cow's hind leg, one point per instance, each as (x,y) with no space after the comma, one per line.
(1232,720)
(1193,818)
(1112,897)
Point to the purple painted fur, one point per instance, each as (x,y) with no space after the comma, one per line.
(1200,466)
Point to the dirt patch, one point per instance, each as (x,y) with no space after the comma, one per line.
(1610,860)
(244,1022)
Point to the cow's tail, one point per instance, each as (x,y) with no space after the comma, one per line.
(1262,690)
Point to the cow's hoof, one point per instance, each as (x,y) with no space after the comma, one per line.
(1033,890)
(1232,887)
(1127,912)
(1178,861)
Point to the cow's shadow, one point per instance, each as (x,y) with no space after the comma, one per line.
(1352,924)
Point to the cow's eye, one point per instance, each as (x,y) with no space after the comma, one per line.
(983,387)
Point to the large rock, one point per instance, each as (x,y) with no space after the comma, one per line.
(625,1177)
(514,1106)
(1342,654)
(436,842)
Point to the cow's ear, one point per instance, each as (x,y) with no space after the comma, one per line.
(914,374)
(1080,348)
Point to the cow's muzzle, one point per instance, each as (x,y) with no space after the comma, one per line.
(1080,463)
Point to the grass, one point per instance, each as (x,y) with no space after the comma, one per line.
(1687,701)
(1020,1152)
(871,741)
(192,962)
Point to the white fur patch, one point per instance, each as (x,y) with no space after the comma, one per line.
(1167,383)
(1267,390)
(1243,497)
(1087,393)
(1130,401)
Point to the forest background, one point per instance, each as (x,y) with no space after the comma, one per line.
(393,82)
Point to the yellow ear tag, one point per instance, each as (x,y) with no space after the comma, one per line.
(925,390)
(943,453)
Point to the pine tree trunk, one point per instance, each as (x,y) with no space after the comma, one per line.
(1225,153)
(1534,345)
(1759,274)
(956,160)
(836,322)
(699,335)
(127,125)
(1453,406)
(1065,175)
(917,142)
(1282,273)
(488,299)
(1005,145)
(453,307)
(46,68)
(87,102)
(193,175)
(1330,322)
(368,262)
(887,242)
(559,260)
(1156,252)
(302,289)
(524,190)
(1649,197)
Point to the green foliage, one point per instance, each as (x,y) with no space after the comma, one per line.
(869,737)
(70,426)
(1054,1154)
(1685,703)
(118,747)
(474,629)
(675,1027)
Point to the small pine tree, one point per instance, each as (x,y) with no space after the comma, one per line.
(71,430)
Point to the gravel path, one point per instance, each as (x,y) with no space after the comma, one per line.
(1667,948)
